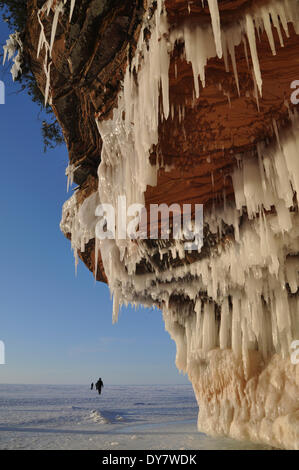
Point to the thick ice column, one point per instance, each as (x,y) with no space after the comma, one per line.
(258,404)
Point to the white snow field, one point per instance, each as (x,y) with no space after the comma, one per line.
(122,418)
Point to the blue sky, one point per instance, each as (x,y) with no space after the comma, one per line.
(57,327)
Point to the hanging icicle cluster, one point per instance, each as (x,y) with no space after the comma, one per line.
(58,8)
(13,49)
(127,141)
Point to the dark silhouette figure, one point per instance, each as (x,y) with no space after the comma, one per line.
(91,387)
(99,385)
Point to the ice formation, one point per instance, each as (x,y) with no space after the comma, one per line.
(58,9)
(70,172)
(80,222)
(239,316)
(13,49)
(125,167)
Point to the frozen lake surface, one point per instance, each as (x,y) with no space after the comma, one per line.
(123,417)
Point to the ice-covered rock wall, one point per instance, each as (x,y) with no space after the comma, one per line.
(233,312)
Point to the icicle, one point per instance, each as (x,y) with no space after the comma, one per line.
(73,2)
(209,328)
(233,57)
(281,11)
(255,91)
(116,297)
(214,12)
(47,72)
(268,28)
(236,328)
(58,10)
(276,23)
(48,5)
(252,44)
(292,273)
(276,132)
(246,51)
(227,94)
(225,326)
(40,42)
(69,172)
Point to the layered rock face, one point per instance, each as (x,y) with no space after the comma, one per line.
(190,102)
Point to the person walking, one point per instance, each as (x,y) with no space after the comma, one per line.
(99,385)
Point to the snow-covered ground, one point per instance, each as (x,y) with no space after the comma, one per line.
(123,417)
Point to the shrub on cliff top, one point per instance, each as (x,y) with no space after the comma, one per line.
(14,13)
